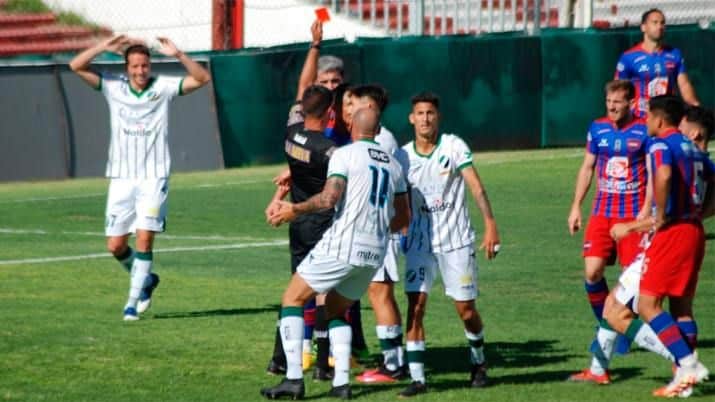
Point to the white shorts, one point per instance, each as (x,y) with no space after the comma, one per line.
(388,271)
(457,267)
(325,273)
(629,283)
(136,204)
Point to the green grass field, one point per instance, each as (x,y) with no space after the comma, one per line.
(209,333)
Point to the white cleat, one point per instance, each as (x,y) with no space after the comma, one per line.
(130,314)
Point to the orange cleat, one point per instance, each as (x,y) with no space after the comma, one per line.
(587,376)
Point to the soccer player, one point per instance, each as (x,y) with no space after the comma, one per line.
(381,290)
(139,161)
(616,148)
(366,187)
(654,67)
(672,261)
(441,235)
(308,152)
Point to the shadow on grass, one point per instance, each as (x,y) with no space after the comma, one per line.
(218,312)
(709,236)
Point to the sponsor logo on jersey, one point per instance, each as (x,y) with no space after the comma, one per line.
(616,186)
(633,145)
(658,146)
(138,131)
(297,152)
(617,145)
(639,58)
(603,130)
(438,206)
(657,68)
(378,155)
(300,139)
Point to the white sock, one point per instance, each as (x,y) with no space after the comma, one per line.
(476,346)
(140,271)
(388,336)
(646,338)
(292,337)
(341,336)
(415,357)
(606,338)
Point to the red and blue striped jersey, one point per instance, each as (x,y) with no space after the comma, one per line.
(691,169)
(620,167)
(652,74)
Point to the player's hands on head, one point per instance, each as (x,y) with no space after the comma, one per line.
(167,47)
(117,44)
(574,220)
(282,213)
(316,30)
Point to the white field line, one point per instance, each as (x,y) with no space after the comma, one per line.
(161,250)
(525,158)
(93,195)
(42,232)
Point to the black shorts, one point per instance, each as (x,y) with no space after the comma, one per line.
(304,234)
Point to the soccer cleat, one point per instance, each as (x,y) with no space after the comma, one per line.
(478,377)
(587,375)
(293,389)
(322,374)
(275,368)
(341,391)
(382,375)
(415,388)
(307,361)
(130,314)
(145,295)
(680,387)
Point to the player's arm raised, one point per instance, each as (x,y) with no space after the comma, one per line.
(490,242)
(310,67)
(326,199)
(686,90)
(198,75)
(583,182)
(80,63)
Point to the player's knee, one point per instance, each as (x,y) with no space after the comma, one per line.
(116,247)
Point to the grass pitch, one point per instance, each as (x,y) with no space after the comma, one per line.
(209,333)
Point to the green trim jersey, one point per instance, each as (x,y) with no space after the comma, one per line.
(138,147)
(387,140)
(440,219)
(361,224)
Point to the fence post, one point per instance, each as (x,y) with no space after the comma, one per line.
(417,16)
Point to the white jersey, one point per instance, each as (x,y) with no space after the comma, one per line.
(361,225)
(387,140)
(440,219)
(138,147)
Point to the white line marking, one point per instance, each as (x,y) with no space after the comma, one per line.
(161,250)
(100,234)
(65,197)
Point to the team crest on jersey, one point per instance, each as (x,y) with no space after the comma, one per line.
(153,96)
(633,145)
(444,162)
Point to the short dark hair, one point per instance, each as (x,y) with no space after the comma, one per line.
(373,91)
(139,48)
(621,85)
(647,14)
(316,101)
(669,107)
(427,97)
(703,117)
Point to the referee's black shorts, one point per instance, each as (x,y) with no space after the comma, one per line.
(303,234)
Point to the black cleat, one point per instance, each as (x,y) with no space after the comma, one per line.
(275,368)
(322,374)
(341,391)
(293,389)
(415,388)
(478,378)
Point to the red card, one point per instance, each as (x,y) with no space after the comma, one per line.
(322,14)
